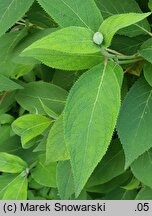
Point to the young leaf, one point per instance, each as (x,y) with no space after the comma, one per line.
(142,168)
(56,148)
(116,22)
(44,174)
(36,93)
(65,183)
(148,73)
(110,166)
(134,121)
(71,48)
(146,50)
(30,126)
(90,116)
(8,85)
(11,163)
(17,189)
(11,11)
(73,13)
(110,7)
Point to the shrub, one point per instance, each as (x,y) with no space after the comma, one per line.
(75,99)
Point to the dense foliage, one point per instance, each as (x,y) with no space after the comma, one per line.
(75,99)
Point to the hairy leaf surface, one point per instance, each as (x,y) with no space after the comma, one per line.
(90,116)
(73,13)
(134,117)
(71,48)
(116,22)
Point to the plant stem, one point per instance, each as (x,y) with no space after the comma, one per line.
(114,52)
(130,61)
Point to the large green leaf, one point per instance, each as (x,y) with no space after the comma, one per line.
(17,189)
(142,168)
(116,22)
(11,11)
(90,116)
(36,94)
(111,165)
(44,174)
(73,13)
(8,85)
(56,148)
(30,126)
(65,182)
(110,7)
(71,48)
(11,163)
(146,50)
(134,123)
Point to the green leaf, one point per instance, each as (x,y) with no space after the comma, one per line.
(8,85)
(73,13)
(56,148)
(89,121)
(17,189)
(127,45)
(111,165)
(134,123)
(11,163)
(144,194)
(5,133)
(48,111)
(148,73)
(146,50)
(44,174)
(66,79)
(110,7)
(116,22)
(71,48)
(8,43)
(11,11)
(65,183)
(5,180)
(39,17)
(34,93)
(111,185)
(6,118)
(142,168)
(150,4)
(30,126)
